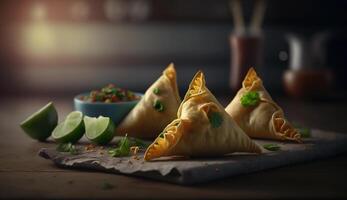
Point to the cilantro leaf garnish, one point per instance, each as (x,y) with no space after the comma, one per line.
(67,147)
(303,131)
(156,91)
(123,148)
(272,147)
(158,105)
(124,145)
(107,186)
(250,99)
(216,119)
(138,142)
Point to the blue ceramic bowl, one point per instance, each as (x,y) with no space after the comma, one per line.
(116,111)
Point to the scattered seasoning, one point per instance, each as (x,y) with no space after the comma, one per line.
(70,182)
(250,99)
(272,147)
(217,170)
(126,146)
(158,105)
(67,147)
(107,186)
(156,91)
(89,147)
(216,119)
(134,150)
(136,157)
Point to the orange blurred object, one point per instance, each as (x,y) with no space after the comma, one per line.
(308,83)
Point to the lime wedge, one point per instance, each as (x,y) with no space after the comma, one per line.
(40,124)
(71,129)
(99,130)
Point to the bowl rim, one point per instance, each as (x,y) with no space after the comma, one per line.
(76,99)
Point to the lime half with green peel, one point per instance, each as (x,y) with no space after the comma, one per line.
(99,130)
(71,129)
(41,124)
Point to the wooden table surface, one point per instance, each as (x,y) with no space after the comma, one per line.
(23,174)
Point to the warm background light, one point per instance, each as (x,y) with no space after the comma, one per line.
(91,42)
(38,11)
(39,39)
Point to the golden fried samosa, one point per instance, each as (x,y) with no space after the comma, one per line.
(257,114)
(202,128)
(156,109)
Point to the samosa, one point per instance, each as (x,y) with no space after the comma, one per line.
(202,128)
(257,114)
(156,109)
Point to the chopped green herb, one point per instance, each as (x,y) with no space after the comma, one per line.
(120,94)
(304,132)
(161,135)
(216,119)
(67,147)
(110,93)
(272,147)
(113,90)
(123,148)
(138,142)
(130,94)
(107,186)
(158,105)
(64,147)
(99,96)
(156,91)
(250,99)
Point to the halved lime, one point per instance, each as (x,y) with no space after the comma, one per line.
(71,129)
(40,124)
(99,130)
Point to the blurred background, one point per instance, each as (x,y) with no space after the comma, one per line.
(64,47)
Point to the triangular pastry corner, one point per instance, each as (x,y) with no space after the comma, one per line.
(166,140)
(264,120)
(202,128)
(251,79)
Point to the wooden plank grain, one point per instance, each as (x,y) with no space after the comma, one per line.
(307,180)
(25,175)
(89,185)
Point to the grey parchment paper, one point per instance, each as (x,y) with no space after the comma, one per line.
(321,144)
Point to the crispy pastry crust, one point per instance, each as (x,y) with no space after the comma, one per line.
(144,121)
(191,134)
(265,120)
